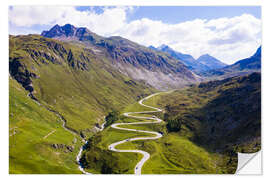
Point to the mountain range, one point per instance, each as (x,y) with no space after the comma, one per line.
(241,67)
(136,61)
(211,62)
(203,63)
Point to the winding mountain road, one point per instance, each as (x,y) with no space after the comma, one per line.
(146,155)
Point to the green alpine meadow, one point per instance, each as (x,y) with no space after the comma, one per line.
(84,103)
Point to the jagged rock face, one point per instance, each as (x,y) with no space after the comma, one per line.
(157,69)
(67,30)
(21,74)
(70,32)
(77,64)
(136,61)
(42,53)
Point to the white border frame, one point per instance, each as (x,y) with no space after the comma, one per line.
(4,77)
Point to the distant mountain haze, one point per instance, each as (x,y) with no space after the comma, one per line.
(211,62)
(203,63)
(173,53)
(244,66)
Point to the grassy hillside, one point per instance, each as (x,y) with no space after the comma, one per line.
(174,154)
(205,126)
(71,80)
(66,78)
(219,112)
(32,131)
(171,154)
(221,116)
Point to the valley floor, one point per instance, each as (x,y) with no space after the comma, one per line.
(40,144)
(171,154)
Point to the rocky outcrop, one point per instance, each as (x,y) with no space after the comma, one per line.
(43,57)
(63,147)
(77,64)
(67,30)
(20,72)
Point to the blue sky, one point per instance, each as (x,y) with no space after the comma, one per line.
(174,14)
(226,32)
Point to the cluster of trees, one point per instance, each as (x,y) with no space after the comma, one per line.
(173,125)
(112,117)
(102,160)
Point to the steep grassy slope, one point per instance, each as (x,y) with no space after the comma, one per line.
(71,80)
(32,132)
(219,112)
(221,116)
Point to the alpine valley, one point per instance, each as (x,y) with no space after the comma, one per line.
(83,103)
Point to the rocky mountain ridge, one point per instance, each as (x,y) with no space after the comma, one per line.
(134,60)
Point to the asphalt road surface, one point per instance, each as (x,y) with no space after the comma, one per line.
(154,119)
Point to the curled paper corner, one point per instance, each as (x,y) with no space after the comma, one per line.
(249,163)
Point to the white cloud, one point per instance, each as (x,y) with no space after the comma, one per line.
(228,39)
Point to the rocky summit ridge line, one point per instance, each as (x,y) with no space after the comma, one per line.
(136,61)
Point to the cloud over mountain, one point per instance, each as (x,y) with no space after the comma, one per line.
(228,39)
